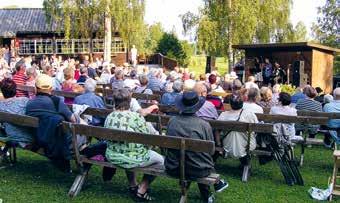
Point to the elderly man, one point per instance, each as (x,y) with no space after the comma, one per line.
(168,98)
(334,107)
(198,165)
(208,110)
(19,77)
(89,98)
(49,70)
(155,83)
(51,111)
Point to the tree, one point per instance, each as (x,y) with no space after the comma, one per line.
(326,30)
(155,34)
(85,18)
(171,47)
(292,34)
(231,22)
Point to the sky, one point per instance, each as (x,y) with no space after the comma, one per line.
(167,11)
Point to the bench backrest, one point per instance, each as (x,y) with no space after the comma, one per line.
(109,92)
(19,120)
(146,139)
(303,120)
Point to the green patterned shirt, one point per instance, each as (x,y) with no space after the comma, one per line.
(126,155)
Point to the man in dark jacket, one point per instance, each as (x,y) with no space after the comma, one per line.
(197,165)
(51,111)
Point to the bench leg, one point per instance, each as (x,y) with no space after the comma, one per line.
(302,154)
(184,191)
(78,184)
(245,174)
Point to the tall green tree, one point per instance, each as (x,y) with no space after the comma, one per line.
(327,29)
(155,34)
(85,18)
(231,22)
(171,47)
(292,34)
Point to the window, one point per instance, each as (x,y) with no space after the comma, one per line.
(81,46)
(118,45)
(44,46)
(64,46)
(26,47)
(98,45)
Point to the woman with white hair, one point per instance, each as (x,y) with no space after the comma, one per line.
(106,76)
(276,93)
(90,98)
(31,74)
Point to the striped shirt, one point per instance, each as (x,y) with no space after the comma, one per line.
(20,79)
(308,105)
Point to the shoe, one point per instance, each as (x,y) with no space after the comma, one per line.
(220,186)
(211,199)
(133,190)
(296,138)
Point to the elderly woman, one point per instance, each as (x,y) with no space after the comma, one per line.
(130,155)
(266,98)
(276,93)
(309,104)
(15,105)
(70,84)
(284,108)
(251,96)
(89,98)
(234,142)
(169,98)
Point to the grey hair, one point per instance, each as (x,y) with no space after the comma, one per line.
(143,79)
(122,99)
(90,85)
(83,69)
(328,98)
(177,86)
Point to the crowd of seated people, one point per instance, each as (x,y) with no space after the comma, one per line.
(196,100)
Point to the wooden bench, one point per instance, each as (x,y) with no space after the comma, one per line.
(304,121)
(181,144)
(20,121)
(162,122)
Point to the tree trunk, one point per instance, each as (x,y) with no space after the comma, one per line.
(108,34)
(230,38)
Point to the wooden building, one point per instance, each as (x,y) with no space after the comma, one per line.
(306,63)
(26,32)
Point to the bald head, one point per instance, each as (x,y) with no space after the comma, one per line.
(336,93)
(200,89)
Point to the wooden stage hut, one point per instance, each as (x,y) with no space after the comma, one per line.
(306,62)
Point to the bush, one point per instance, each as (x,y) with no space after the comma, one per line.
(288,89)
(171,47)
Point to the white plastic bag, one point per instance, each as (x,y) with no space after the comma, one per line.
(319,194)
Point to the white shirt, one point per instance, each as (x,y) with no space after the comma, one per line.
(133,54)
(131,83)
(252,107)
(134,105)
(283,110)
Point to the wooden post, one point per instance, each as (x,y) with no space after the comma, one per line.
(108,33)
(182,173)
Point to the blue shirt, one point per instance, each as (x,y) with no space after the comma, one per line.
(44,102)
(334,107)
(169,98)
(16,105)
(154,83)
(298,96)
(92,100)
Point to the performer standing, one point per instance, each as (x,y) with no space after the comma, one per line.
(267,72)
(134,54)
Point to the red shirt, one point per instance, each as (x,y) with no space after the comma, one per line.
(76,74)
(20,79)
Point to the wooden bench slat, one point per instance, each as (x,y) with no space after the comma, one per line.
(155,171)
(21,120)
(292,119)
(157,140)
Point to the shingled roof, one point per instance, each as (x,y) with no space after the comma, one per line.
(24,20)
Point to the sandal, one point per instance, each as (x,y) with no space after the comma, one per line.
(144,197)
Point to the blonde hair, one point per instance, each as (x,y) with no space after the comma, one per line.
(68,73)
(266,94)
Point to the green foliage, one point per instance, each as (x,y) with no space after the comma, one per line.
(290,89)
(197,65)
(83,18)
(223,23)
(155,34)
(326,30)
(171,47)
(292,34)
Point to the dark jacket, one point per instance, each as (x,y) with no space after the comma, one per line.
(196,164)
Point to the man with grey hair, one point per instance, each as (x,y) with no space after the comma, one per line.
(334,107)
(83,75)
(170,97)
(91,99)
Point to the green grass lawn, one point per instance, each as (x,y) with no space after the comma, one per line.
(197,65)
(33,179)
